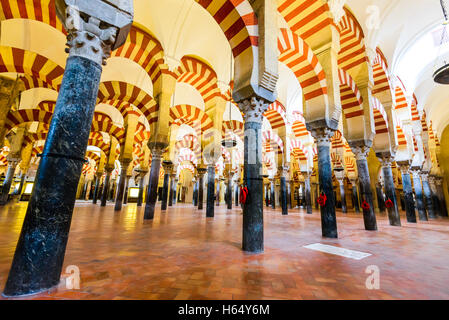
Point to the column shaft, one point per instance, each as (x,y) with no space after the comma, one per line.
(390,191)
(210,206)
(97,186)
(39,255)
(284,195)
(369,217)
(428,197)
(104,196)
(419,197)
(165,191)
(253,235)
(120,189)
(408,197)
(7,183)
(153,183)
(328,217)
(308,196)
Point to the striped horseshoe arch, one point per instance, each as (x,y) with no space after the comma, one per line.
(200,76)
(276,115)
(145,50)
(193,117)
(299,57)
(32,64)
(103,123)
(380,117)
(27,115)
(351,99)
(125,92)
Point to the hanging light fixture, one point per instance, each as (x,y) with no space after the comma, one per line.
(441,75)
(232,142)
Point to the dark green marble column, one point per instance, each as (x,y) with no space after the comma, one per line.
(408,191)
(284,194)
(361,153)
(97,186)
(229,191)
(390,190)
(125,195)
(308,193)
(355,196)
(440,194)
(172,196)
(12,165)
(272,194)
(210,205)
(427,195)
(253,227)
(105,194)
(422,214)
(328,217)
(201,172)
(168,167)
(153,183)
(141,188)
(121,185)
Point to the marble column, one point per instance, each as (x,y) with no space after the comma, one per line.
(217,198)
(316,196)
(361,152)
(422,214)
(355,196)
(39,255)
(141,188)
(390,189)
(97,186)
(435,199)
(229,191)
(283,179)
(153,183)
(175,190)
(105,195)
(253,228)
(12,165)
(408,191)
(272,194)
(210,205)
(289,195)
(125,196)
(195,193)
(328,218)
(201,173)
(172,196)
(440,194)
(308,196)
(340,174)
(427,195)
(267,195)
(236,193)
(168,167)
(22,182)
(121,184)
(380,198)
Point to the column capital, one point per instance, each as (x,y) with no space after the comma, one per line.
(109,168)
(404,166)
(323,136)
(253,109)
(95,27)
(360,151)
(168,166)
(386,159)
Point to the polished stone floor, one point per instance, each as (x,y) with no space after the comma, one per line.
(183,255)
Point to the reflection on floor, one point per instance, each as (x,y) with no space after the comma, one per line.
(183,255)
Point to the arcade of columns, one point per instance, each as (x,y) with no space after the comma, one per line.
(357,143)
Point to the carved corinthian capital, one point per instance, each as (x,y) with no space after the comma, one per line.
(323,136)
(95,27)
(253,109)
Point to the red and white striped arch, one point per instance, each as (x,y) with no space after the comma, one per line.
(380,117)
(310,19)
(352,48)
(271,141)
(103,123)
(31,64)
(191,142)
(351,99)
(16,118)
(125,92)
(298,56)
(276,115)
(233,126)
(380,73)
(193,117)
(200,76)
(145,50)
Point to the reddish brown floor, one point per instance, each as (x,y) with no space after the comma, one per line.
(183,255)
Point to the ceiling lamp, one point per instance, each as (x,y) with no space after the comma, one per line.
(441,75)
